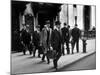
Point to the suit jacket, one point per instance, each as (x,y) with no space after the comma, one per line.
(44,37)
(36,38)
(75,33)
(65,34)
(25,37)
(56,40)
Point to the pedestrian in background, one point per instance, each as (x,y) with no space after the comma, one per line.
(75,33)
(36,40)
(66,37)
(26,39)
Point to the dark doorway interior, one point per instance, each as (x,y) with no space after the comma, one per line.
(42,18)
(87,16)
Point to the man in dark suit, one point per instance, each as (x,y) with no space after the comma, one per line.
(65,35)
(56,43)
(75,33)
(22,35)
(26,39)
(36,40)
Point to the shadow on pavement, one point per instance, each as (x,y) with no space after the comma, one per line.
(40,62)
(60,69)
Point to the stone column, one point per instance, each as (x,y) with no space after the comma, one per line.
(93,17)
(75,13)
(35,20)
(67,15)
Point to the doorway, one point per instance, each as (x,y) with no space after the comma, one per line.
(42,18)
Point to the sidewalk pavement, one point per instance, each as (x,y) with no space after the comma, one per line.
(35,65)
(69,59)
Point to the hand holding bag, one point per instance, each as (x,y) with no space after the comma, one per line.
(41,50)
(51,54)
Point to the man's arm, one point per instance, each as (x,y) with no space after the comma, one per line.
(41,37)
(52,38)
(79,33)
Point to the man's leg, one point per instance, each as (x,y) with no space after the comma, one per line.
(58,56)
(34,51)
(44,54)
(73,44)
(48,60)
(63,49)
(30,48)
(55,61)
(77,45)
(39,51)
(67,45)
(24,49)
(43,57)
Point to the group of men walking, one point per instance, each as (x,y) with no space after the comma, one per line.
(50,40)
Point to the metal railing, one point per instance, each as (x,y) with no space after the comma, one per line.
(88,34)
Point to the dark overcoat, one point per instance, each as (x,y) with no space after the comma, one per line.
(56,40)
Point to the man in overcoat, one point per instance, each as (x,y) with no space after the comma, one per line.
(56,43)
(46,39)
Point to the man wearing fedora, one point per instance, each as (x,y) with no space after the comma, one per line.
(26,39)
(36,40)
(66,37)
(56,43)
(46,39)
(75,33)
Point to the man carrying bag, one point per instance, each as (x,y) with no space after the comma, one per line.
(45,40)
(56,43)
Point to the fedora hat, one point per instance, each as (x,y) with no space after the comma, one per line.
(65,24)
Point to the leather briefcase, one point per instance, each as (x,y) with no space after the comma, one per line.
(51,54)
(41,50)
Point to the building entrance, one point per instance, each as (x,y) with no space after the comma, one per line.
(42,18)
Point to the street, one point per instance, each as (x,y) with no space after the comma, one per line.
(28,64)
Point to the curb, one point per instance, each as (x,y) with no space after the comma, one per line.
(74,62)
